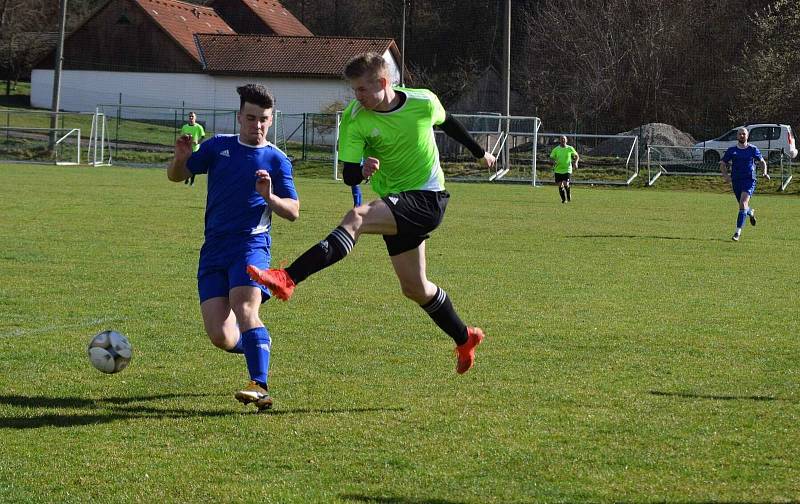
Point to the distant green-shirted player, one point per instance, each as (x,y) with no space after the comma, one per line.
(196,131)
(391,130)
(565,158)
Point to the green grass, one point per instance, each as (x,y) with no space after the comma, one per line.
(634,353)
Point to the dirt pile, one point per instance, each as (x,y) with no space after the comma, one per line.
(649,134)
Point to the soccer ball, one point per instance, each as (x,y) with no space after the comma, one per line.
(109,351)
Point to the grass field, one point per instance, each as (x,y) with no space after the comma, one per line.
(633,354)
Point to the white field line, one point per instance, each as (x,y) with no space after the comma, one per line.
(51,328)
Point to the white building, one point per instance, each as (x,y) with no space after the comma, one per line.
(170,54)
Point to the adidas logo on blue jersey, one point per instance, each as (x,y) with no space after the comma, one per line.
(225,153)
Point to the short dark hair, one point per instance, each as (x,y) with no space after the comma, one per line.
(367,63)
(255,94)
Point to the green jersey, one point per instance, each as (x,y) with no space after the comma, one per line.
(196,132)
(402,140)
(563,158)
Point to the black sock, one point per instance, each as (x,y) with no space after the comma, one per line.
(441,311)
(562,194)
(567,189)
(330,250)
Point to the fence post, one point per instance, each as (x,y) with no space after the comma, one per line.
(119,118)
(304,136)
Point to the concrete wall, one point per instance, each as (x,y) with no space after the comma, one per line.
(82,91)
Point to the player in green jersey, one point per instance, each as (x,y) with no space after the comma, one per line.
(391,130)
(565,158)
(196,131)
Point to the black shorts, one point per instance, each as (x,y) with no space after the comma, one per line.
(416,213)
(560,177)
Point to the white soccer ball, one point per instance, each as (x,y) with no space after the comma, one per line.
(110,352)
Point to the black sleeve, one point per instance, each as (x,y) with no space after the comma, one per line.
(352,174)
(455,130)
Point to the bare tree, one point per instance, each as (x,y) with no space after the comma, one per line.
(767,79)
(22,41)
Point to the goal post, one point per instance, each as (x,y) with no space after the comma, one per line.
(492,132)
(26,135)
(604,159)
(61,146)
(98,142)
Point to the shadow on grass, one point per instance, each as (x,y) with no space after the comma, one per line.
(647,237)
(686,395)
(332,411)
(394,500)
(125,408)
(119,408)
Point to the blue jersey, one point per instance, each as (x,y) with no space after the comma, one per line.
(742,161)
(233,206)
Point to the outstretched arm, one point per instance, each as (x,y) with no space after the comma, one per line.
(177,170)
(455,130)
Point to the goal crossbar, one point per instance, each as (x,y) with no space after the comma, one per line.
(629,168)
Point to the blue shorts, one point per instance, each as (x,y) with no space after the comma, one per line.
(223,265)
(747,185)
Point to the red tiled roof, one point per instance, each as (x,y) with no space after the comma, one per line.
(297,56)
(181,20)
(275,15)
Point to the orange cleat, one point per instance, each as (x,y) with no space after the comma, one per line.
(466,351)
(279,283)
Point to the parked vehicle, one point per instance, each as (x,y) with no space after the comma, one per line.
(771,140)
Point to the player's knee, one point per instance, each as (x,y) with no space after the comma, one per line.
(219,339)
(354,219)
(247,317)
(415,293)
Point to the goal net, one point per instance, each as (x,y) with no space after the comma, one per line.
(27,136)
(672,160)
(511,139)
(604,159)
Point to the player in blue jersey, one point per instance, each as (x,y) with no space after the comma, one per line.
(741,160)
(249,179)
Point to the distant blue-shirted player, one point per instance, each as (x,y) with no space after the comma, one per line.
(249,179)
(741,159)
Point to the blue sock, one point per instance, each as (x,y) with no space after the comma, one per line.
(257,345)
(749,211)
(356,195)
(740,219)
(239,348)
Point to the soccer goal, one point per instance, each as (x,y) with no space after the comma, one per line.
(512,139)
(98,146)
(604,159)
(61,146)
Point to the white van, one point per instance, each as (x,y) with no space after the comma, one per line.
(771,140)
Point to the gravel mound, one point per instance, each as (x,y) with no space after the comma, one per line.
(649,134)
